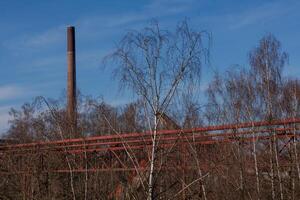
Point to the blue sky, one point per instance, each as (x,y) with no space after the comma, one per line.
(32,40)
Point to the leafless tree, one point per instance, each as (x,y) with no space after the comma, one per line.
(157,65)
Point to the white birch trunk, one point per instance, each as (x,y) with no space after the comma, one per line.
(150,190)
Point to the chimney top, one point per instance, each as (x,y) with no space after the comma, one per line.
(71,38)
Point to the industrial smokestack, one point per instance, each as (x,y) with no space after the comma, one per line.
(71,83)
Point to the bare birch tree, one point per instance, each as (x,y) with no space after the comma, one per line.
(267,61)
(157,65)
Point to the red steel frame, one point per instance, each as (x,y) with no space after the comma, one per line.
(240,132)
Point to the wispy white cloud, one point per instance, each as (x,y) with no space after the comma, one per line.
(39,40)
(51,36)
(107,24)
(168,7)
(90,59)
(55,35)
(47,61)
(260,14)
(10,91)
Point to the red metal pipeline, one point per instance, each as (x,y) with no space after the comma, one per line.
(164,132)
(164,139)
(147,146)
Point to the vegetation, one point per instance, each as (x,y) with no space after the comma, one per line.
(163,68)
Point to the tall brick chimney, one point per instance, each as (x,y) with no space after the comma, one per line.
(71,82)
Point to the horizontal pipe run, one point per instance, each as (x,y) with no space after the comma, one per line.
(162,132)
(144,141)
(164,145)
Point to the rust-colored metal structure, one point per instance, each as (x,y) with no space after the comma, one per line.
(71,82)
(209,135)
(110,153)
